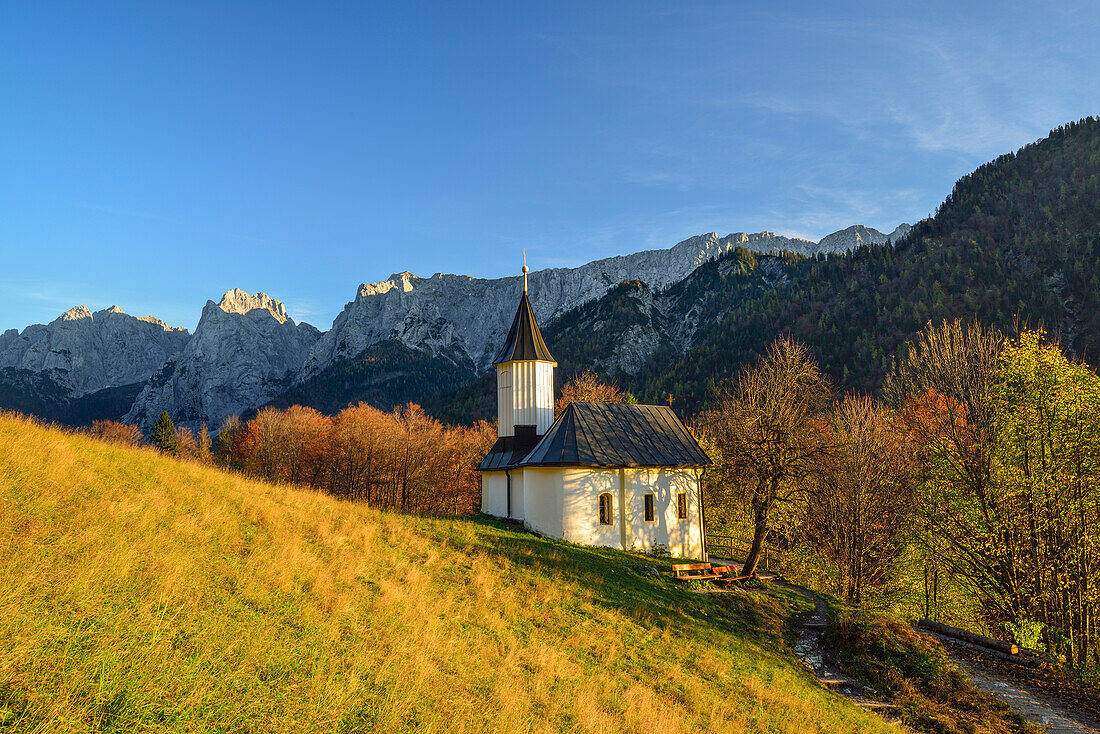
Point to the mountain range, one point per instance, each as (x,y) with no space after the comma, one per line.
(246,351)
(1018,239)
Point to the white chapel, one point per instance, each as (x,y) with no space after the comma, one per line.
(624,476)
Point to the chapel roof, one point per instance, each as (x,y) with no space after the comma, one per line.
(507,453)
(608,435)
(524,340)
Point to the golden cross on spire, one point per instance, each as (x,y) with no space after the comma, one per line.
(524,269)
(670,399)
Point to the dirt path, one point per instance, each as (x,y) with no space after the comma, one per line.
(810,649)
(1036,706)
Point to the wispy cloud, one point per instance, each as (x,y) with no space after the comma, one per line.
(945,88)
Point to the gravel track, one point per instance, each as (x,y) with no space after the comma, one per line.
(1037,706)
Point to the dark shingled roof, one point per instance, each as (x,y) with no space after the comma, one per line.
(616,435)
(508,451)
(524,338)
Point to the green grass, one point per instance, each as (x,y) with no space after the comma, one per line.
(140,593)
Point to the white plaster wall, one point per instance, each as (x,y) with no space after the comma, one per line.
(564,503)
(685,537)
(630,512)
(581,490)
(517,494)
(493,488)
(542,500)
(682,537)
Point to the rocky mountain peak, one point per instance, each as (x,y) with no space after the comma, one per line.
(403,281)
(238,301)
(237,359)
(859,235)
(75,314)
(82,352)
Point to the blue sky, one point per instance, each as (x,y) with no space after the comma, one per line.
(157,154)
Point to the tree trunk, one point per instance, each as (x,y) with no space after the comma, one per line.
(761,502)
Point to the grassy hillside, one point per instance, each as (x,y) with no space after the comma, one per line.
(138,592)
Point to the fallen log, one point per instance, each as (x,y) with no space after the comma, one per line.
(1008,648)
(1027,662)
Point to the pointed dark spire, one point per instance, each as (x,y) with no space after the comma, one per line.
(524,338)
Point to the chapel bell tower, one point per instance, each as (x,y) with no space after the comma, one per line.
(525,377)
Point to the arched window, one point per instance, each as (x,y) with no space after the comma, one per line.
(605,509)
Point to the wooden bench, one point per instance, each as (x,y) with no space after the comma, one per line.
(728,575)
(693,572)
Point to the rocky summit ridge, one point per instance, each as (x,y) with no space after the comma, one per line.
(858,236)
(238,301)
(465,318)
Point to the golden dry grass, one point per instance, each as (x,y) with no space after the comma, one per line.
(139,593)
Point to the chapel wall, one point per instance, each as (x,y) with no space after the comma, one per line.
(542,490)
(582,488)
(682,537)
(494,500)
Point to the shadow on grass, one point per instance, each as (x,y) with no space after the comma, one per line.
(617,580)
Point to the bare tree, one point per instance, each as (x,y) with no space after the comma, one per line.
(587,386)
(861,502)
(769,429)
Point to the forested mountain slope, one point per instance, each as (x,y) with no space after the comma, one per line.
(1019,238)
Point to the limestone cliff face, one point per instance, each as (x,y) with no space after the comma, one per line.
(84,352)
(245,351)
(465,319)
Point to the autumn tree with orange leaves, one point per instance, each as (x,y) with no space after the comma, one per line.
(404,459)
(115,432)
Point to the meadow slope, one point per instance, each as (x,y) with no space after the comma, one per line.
(138,592)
